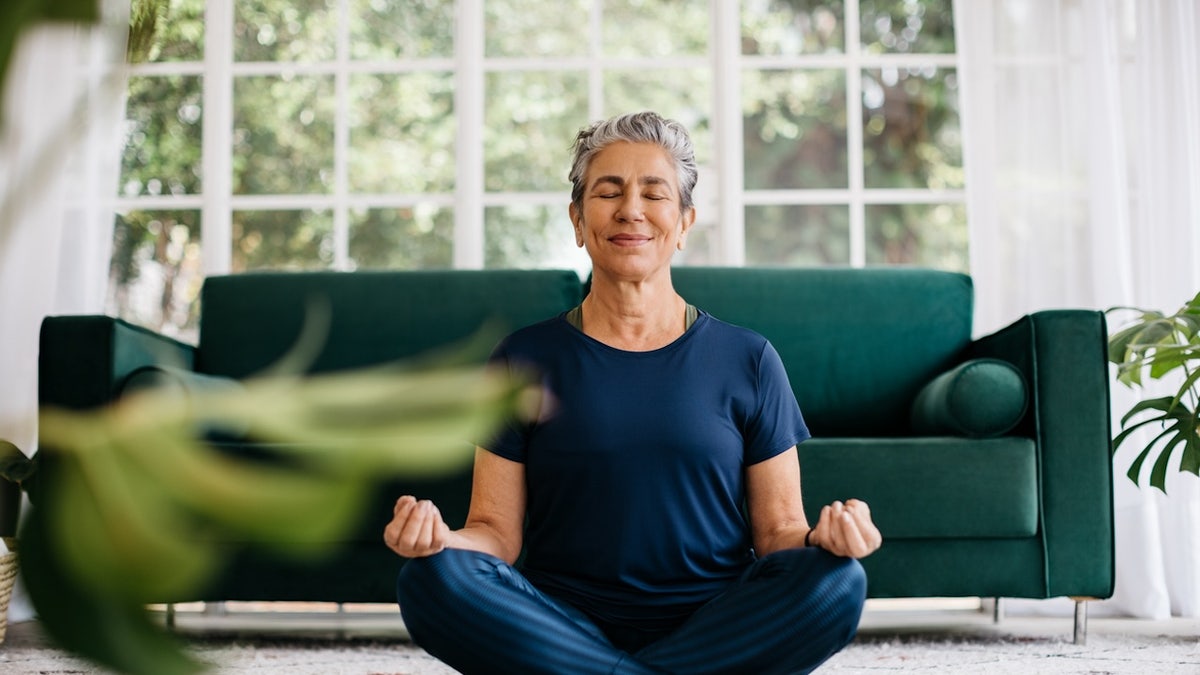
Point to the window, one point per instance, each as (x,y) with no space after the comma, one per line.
(372,134)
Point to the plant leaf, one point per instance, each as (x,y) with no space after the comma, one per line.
(1121,437)
(14,465)
(1135,467)
(114,634)
(1158,474)
(1162,403)
(1190,461)
(120,533)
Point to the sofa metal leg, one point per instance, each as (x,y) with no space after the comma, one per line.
(998,611)
(1081,621)
(171,617)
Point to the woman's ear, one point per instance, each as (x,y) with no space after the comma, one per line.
(686,220)
(577,222)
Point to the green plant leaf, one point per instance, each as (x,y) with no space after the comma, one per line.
(1180,425)
(1128,431)
(1135,467)
(14,465)
(1190,461)
(1192,306)
(1188,385)
(1169,358)
(114,634)
(120,533)
(1158,474)
(1163,403)
(1118,344)
(138,509)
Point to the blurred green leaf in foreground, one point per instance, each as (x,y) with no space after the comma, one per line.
(131,499)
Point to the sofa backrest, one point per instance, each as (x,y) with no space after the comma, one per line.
(248,321)
(858,344)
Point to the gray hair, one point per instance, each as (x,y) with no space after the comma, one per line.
(641,127)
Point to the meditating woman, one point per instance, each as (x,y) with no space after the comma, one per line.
(657,494)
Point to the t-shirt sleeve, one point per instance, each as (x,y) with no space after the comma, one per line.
(778,423)
(509,439)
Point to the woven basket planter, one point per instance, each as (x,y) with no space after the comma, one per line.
(8,577)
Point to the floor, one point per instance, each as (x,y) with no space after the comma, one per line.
(895,636)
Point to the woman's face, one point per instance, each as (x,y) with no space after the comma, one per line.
(630,222)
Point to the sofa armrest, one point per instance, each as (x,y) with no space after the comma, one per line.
(1063,355)
(84,360)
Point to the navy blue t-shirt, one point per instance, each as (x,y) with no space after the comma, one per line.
(635,465)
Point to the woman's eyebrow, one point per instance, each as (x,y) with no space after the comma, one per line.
(620,182)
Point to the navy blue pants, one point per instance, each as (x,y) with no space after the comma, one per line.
(788,613)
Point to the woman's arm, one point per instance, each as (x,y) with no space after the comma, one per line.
(495,523)
(777,519)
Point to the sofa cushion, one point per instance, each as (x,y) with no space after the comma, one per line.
(928,488)
(979,398)
(858,344)
(248,321)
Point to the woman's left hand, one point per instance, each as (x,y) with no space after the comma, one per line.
(846,529)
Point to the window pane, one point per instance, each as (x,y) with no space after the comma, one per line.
(177,34)
(155,271)
(795,129)
(402,133)
(798,235)
(792,27)
(907,26)
(418,237)
(648,28)
(681,95)
(531,119)
(284,30)
(558,29)
(282,135)
(282,240)
(927,235)
(523,236)
(911,132)
(391,29)
(162,136)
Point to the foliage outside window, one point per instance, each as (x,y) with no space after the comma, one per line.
(346,139)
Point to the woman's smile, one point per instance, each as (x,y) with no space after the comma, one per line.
(629,240)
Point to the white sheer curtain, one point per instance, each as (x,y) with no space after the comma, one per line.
(59,159)
(1081,126)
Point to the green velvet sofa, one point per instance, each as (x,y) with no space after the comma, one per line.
(985,461)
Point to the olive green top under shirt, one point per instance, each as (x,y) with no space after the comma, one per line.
(575,317)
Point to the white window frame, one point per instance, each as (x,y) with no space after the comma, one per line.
(470,199)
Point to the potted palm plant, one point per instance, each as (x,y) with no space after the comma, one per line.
(1153,346)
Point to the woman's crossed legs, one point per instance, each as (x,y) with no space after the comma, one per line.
(788,613)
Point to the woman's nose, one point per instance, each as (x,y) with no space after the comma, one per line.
(630,208)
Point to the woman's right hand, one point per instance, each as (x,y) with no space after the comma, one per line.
(417,529)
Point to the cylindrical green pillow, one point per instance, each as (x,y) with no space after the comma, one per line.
(979,398)
(171,380)
(181,383)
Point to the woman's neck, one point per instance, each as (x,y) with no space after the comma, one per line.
(635,317)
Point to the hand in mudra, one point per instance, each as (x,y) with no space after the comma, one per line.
(417,529)
(846,529)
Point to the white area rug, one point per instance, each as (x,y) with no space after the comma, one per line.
(966,643)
